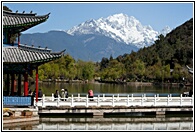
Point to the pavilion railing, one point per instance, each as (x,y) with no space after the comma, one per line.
(17,101)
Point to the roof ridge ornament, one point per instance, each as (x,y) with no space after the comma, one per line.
(19,22)
(22,13)
(35,49)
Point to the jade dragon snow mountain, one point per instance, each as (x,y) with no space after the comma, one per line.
(121,28)
(94,39)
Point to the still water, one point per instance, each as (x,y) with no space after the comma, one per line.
(109,124)
(110,89)
(123,122)
(117,122)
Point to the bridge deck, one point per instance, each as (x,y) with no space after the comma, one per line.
(100,105)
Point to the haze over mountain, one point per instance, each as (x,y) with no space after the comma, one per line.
(94,39)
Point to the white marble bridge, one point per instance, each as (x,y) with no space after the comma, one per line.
(100,106)
(113,101)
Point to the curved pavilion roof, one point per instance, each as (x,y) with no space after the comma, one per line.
(25,58)
(28,54)
(19,22)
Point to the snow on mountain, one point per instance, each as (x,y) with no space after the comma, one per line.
(165,30)
(120,27)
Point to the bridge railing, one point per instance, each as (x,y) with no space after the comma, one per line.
(113,101)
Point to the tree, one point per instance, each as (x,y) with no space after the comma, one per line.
(113,71)
(104,62)
(160,39)
(85,70)
(45,71)
(69,67)
(138,68)
(111,57)
(178,72)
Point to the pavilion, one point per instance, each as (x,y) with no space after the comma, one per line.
(22,59)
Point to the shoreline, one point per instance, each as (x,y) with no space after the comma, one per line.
(136,83)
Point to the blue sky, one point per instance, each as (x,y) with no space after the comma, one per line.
(65,15)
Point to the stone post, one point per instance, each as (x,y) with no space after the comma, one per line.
(127,100)
(86,100)
(43,100)
(154,100)
(98,101)
(72,100)
(113,100)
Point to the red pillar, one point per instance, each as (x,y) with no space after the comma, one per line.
(25,84)
(36,82)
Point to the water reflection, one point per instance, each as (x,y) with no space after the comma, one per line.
(21,125)
(117,126)
(112,123)
(100,123)
(102,88)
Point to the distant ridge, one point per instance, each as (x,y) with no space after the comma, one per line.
(94,39)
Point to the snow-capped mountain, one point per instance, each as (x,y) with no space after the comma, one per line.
(120,27)
(115,35)
(165,30)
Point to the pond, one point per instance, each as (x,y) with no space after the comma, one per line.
(110,89)
(124,122)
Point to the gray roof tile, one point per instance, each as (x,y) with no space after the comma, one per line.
(24,54)
(17,19)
